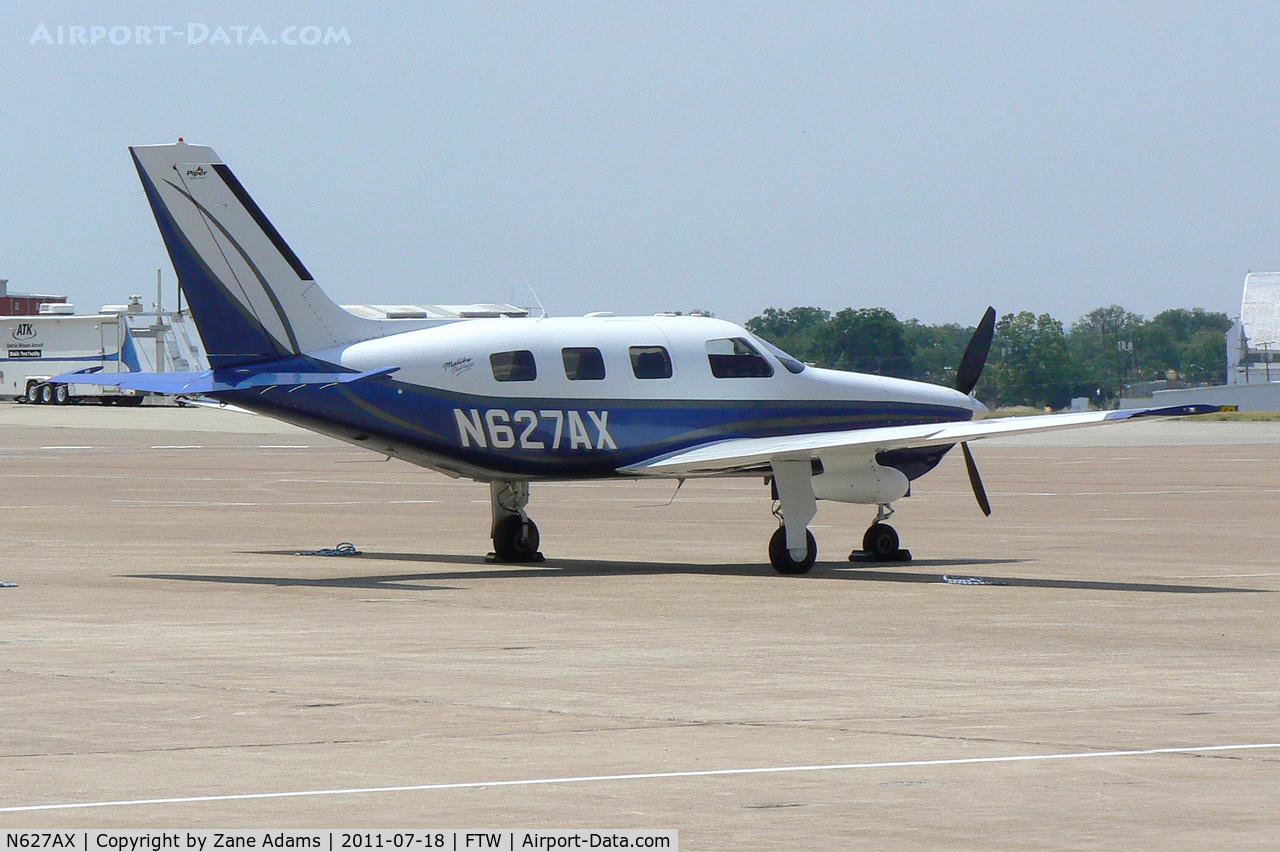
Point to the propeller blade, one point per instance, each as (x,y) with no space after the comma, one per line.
(975,355)
(976,481)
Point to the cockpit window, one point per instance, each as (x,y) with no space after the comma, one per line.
(650,362)
(582,362)
(735,358)
(792,365)
(517,366)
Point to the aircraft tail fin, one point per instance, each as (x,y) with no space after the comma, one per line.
(250,295)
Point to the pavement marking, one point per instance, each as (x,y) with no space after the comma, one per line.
(275,503)
(644,776)
(1223,576)
(178,447)
(1164,492)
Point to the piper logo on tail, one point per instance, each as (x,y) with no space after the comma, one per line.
(197,172)
(504,430)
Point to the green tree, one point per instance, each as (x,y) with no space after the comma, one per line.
(935,350)
(1192,343)
(1102,346)
(867,340)
(1203,358)
(1030,363)
(792,330)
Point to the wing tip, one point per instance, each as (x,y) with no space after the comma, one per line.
(1190,410)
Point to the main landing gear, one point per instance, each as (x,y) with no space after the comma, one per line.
(515,536)
(780,555)
(793,550)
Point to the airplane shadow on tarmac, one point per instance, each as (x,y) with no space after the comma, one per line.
(474,568)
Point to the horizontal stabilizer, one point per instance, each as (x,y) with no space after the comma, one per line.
(213,381)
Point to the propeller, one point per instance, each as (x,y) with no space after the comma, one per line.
(967,375)
(976,481)
(975,354)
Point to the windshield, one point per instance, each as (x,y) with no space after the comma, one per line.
(786,360)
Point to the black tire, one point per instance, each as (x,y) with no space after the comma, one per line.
(880,542)
(780,556)
(61,394)
(516,540)
(46,394)
(33,393)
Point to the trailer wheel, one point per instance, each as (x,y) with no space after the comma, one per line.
(46,394)
(33,393)
(61,394)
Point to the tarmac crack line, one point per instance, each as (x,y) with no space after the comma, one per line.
(356,699)
(341,742)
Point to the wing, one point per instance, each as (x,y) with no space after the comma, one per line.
(212,381)
(738,454)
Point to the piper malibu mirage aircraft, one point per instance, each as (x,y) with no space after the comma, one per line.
(511,400)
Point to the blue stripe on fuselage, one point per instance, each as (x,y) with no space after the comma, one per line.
(425,420)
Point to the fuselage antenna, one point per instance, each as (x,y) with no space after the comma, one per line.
(535,294)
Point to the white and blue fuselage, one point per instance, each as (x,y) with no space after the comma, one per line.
(455,404)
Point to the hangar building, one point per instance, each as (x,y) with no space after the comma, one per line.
(1253,370)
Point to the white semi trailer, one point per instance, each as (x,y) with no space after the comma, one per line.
(119,339)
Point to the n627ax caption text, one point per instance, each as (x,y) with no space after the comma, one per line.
(335,840)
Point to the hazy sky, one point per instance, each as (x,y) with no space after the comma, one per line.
(637,157)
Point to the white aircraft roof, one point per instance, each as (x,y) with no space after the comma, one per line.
(382,312)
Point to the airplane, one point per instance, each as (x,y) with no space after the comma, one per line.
(512,401)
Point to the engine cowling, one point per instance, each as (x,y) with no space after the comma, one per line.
(859,481)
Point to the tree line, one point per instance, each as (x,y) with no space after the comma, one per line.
(1035,360)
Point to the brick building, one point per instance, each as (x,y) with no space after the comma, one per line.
(23,304)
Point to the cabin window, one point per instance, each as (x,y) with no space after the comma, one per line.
(517,366)
(582,362)
(650,362)
(735,358)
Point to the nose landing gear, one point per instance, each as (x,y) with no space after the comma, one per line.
(880,542)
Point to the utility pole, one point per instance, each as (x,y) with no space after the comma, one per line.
(158,328)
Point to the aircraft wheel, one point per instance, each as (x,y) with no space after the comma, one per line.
(780,556)
(516,540)
(61,394)
(881,542)
(33,393)
(46,394)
